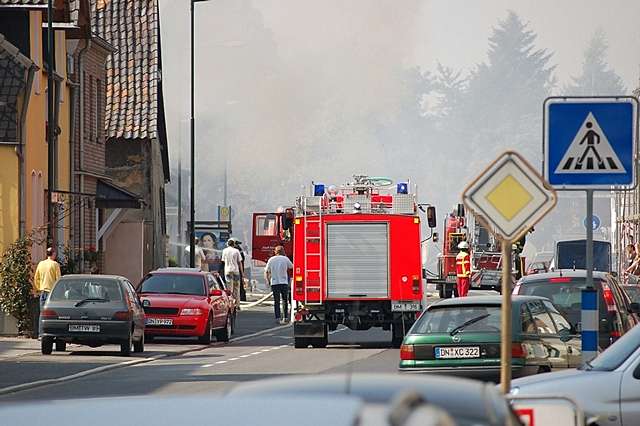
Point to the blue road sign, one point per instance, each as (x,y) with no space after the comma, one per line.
(595,222)
(590,143)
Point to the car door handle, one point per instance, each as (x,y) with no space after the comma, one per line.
(570,350)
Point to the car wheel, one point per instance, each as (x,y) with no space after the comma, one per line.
(233,322)
(205,339)
(61,346)
(125,347)
(46,345)
(224,334)
(139,345)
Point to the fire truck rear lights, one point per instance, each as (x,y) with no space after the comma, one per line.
(416,220)
(403,188)
(407,352)
(560,280)
(299,278)
(404,278)
(297,221)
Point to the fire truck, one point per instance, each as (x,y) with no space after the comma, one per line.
(357,259)
(485,253)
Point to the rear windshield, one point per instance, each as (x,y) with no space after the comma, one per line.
(572,255)
(564,292)
(79,289)
(446,318)
(174,284)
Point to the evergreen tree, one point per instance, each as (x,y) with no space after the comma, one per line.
(597,78)
(503,106)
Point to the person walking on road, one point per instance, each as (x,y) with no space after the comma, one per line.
(277,274)
(46,275)
(232,260)
(463,269)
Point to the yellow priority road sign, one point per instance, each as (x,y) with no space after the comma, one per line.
(510,196)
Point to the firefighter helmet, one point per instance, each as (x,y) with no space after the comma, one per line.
(463,245)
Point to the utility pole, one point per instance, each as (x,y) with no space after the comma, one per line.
(192,209)
(51,125)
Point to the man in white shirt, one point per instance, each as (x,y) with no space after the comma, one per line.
(232,260)
(277,274)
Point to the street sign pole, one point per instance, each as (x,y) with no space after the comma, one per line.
(505,329)
(589,317)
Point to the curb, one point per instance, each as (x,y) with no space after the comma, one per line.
(39,383)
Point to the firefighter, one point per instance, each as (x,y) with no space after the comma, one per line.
(463,269)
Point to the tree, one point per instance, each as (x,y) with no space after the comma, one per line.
(15,283)
(505,95)
(597,77)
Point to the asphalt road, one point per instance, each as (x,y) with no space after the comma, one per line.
(212,369)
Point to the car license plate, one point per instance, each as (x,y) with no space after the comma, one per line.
(458,352)
(405,307)
(159,321)
(84,328)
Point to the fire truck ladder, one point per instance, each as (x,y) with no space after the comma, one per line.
(313,250)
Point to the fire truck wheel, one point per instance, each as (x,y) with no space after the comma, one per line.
(300,342)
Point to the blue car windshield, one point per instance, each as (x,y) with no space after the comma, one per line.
(616,354)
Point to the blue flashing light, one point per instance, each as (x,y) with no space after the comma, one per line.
(318,189)
(403,188)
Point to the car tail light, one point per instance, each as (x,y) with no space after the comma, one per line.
(195,311)
(560,280)
(416,284)
(122,316)
(608,298)
(518,350)
(615,334)
(407,352)
(299,288)
(48,313)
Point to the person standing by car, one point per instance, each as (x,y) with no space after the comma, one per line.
(46,275)
(243,275)
(277,274)
(463,269)
(232,259)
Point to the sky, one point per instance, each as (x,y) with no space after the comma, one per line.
(283,79)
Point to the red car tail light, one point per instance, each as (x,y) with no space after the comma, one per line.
(560,280)
(407,353)
(122,316)
(49,314)
(608,298)
(299,288)
(518,350)
(416,284)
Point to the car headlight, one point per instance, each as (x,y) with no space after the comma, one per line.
(195,311)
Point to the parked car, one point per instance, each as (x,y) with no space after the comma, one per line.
(462,337)
(92,310)
(606,388)
(468,402)
(564,288)
(186,302)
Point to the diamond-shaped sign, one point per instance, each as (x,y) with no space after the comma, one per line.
(509,196)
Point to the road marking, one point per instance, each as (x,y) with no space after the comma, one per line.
(221,362)
(207,365)
(265,350)
(233,359)
(255,353)
(245,356)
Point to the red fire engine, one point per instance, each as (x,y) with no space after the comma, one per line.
(357,262)
(486,256)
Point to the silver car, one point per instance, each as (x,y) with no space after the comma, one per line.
(607,387)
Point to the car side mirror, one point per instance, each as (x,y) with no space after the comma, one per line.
(215,293)
(565,334)
(634,308)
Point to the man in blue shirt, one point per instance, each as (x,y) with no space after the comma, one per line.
(277,274)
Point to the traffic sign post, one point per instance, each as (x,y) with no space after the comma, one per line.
(509,197)
(590,144)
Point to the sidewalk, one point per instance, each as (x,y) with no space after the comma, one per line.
(11,347)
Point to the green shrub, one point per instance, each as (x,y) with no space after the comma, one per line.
(15,283)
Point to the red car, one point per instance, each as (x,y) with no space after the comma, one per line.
(186,302)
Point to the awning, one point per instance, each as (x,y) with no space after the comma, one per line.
(110,196)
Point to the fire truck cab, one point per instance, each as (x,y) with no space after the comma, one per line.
(357,260)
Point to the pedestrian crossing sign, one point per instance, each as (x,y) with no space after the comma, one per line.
(590,143)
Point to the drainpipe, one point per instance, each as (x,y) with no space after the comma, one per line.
(81,148)
(22,209)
